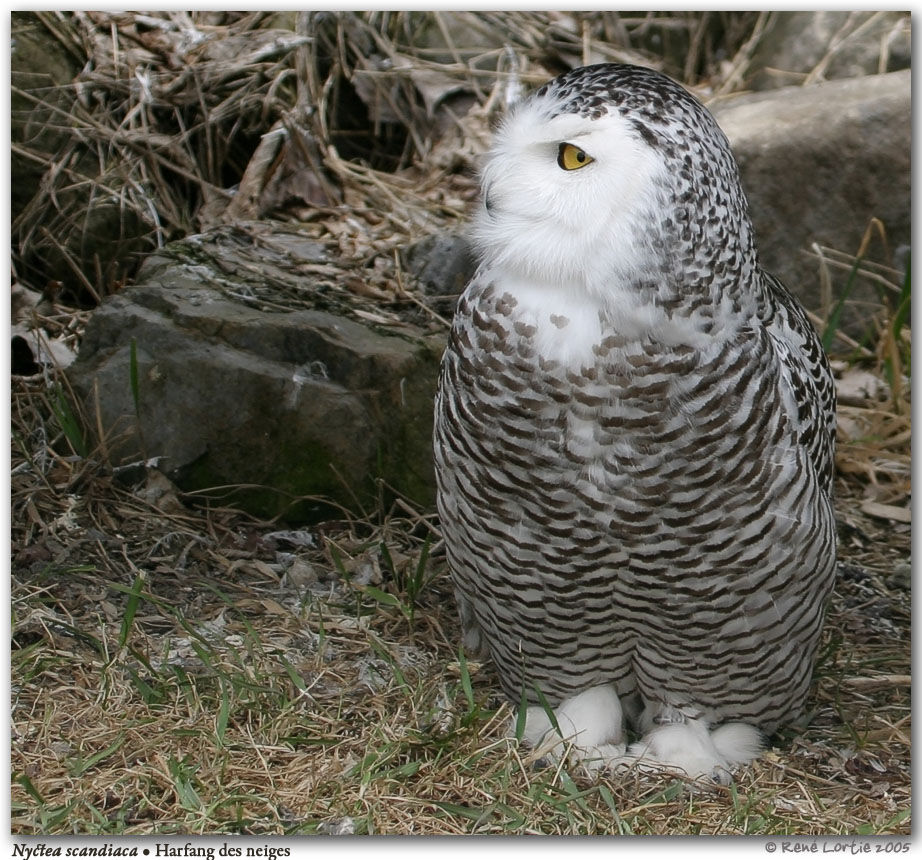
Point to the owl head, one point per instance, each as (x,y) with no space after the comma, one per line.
(611,180)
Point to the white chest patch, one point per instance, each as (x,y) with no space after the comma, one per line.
(570,323)
(567,324)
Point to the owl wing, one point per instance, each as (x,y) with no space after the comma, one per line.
(810,376)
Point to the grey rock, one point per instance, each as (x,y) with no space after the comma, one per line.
(442,264)
(829,45)
(234,388)
(817,163)
(337,827)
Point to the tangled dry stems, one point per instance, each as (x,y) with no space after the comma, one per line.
(184,668)
(170,111)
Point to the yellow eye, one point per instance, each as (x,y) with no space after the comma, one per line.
(571,157)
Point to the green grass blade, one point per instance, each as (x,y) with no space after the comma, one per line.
(623,827)
(470,812)
(293,674)
(381,650)
(548,710)
(886,828)
(337,558)
(83,765)
(904,303)
(68,422)
(133,375)
(418,580)
(466,685)
(183,785)
(382,597)
(832,325)
(223,714)
(26,783)
(131,608)
(387,559)
(520,716)
(87,638)
(149,695)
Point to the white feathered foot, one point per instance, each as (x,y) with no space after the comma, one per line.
(590,724)
(691,749)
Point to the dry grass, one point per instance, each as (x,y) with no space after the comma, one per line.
(193,671)
(183,668)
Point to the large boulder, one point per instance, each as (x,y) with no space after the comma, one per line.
(818,163)
(804,47)
(209,366)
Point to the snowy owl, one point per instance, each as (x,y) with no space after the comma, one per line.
(634,437)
